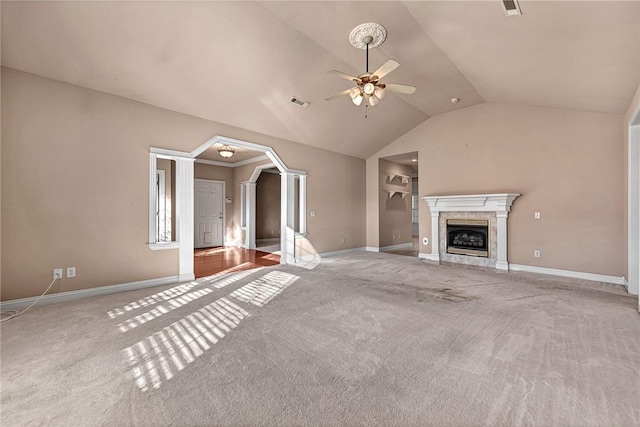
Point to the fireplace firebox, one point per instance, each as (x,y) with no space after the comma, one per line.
(468,237)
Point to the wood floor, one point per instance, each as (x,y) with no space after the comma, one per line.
(210,261)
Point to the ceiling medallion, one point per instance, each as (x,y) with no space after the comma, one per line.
(371,29)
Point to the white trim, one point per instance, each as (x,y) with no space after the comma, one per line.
(371,249)
(567,273)
(343,252)
(429,257)
(163,153)
(258,170)
(302,198)
(18,304)
(471,202)
(396,247)
(296,172)
(251,160)
(311,257)
(633,205)
(153,162)
(161,246)
(233,165)
(184,215)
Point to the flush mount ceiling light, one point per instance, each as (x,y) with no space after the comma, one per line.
(226,151)
(367,36)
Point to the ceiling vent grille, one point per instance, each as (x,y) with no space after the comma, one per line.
(300,102)
(511,7)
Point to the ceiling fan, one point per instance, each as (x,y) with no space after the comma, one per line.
(368,85)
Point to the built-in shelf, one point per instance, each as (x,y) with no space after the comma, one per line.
(403,178)
(394,192)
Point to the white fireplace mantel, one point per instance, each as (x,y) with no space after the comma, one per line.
(498,203)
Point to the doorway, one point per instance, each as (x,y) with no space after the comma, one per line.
(268,215)
(399,204)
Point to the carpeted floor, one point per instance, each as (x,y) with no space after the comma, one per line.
(368,339)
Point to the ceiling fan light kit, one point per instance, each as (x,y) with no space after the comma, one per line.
(368,36)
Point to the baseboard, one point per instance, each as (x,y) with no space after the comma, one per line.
(429,257)
(567,273)
(371,249)
(186,277)
(342,252)
(19,304)
(396,247)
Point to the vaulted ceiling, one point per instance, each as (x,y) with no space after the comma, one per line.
(240,63)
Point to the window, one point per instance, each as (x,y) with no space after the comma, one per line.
(162,202)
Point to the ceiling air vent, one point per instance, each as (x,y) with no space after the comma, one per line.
(299,102)
(511,7)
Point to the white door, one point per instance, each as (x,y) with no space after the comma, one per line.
(209,218)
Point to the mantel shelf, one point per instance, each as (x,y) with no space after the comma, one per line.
(403,178)
(394,192)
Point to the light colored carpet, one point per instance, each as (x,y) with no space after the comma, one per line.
(367,339)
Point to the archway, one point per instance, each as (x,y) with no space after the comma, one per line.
(185,201)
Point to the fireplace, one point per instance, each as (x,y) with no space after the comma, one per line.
(492,208)
(468,237)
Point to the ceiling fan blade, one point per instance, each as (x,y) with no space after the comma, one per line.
(404,89)
(343,75)
(344,92)
(386,68)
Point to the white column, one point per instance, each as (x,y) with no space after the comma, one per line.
(435,236)
(501,262)
(303,204)
(184,217)
(152,197)
(633,239)
(285,245)
(250,206)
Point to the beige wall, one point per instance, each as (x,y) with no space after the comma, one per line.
(268,207)
(395,212)
(63,206)
(568,165)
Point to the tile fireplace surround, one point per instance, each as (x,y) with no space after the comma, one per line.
(495,207)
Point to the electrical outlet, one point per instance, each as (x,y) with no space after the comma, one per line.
(57,273)
(313,213)
(71,272)
(342,240)
(536,254)
(536,215)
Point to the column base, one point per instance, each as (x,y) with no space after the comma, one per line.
(502,265)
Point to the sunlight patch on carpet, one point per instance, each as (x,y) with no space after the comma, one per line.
(176,291)
(260,291)
(160,356)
